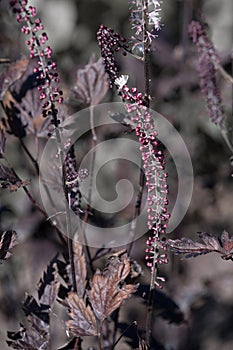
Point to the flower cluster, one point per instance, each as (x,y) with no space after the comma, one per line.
(154,170)
(110,42)
(150,147)
(138,10)
(208,60)
(36,42)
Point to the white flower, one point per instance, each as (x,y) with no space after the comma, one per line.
(121,81)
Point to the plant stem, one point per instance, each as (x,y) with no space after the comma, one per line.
(225,75)
(35,204)
(146,45)
(121,336)
(94,144)
(137,211)
(151,298)
(147,98)
(147,101)
(61,154)
(33,160)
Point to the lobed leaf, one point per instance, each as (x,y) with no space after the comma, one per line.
(23,108)
(36,335)
(79,266)
(82,321)
(222,245)
(48,284)
(33,338)
(91,84)
(108,290)
(64,270)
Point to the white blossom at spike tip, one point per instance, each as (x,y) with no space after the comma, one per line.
(121,81)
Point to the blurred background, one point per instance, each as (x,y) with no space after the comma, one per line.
(202,287)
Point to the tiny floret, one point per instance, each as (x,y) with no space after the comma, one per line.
(121,81)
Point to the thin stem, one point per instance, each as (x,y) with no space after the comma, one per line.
(151,297)
(115,320)
(61,154)
(33,160)
(89,197)
(100,255)
(186,17)
(35,163)
(137,211)
(100,337)
(5,60)
(121,336)
(146,53)
(225,75)
(147,99)
(35,204)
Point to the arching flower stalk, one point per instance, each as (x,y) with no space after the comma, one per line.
(150,147)
(152,156)
(50,94)
(208,64)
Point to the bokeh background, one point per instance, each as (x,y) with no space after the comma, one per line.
(202,287)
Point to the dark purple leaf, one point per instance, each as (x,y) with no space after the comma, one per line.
(222,245)
(11,74)
(37,333)
(2,141)
(91,84)
(34,338)
(82,320)
(80,271)
(9,180)
(108,289)
(49,285)
(33,308)
(23,107)
(166,308)
(8,240)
